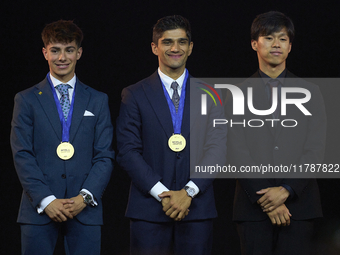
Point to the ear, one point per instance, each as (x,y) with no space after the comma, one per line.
(191,45)
(44,51)
(290,47)
(254,45)
(154,48)
(79,52)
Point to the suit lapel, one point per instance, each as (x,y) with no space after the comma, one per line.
(155,95)
(46,99)
(279,126)
(81,99)
(186,112)
(260,100)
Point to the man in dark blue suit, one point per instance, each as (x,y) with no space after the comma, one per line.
(169,212)
(61,142)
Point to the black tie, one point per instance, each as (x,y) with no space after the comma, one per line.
(275,84)
(175,96)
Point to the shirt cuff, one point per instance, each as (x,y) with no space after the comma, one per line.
(93,199)
(158,189)
(191,184)
(45,202)
(290,190)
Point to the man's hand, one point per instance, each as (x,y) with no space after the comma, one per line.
(178,206)
(273,197)
(165,201)
(280,216)
(56,210)
(77,206)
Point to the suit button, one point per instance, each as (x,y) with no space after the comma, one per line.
(178,155)
(63,176)
(174,181)
(276,148)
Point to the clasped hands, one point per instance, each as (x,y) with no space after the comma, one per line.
(272,203)
(60,210)
(176,204)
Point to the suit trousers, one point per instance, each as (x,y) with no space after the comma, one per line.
(79,239)
(168,238)
(263,238)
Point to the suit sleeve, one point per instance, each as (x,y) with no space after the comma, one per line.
(130,144)
(103,154)
(29,173)
(315,143)
(214,149)
(239,153)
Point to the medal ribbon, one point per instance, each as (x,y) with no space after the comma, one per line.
(65,124)
(177,117)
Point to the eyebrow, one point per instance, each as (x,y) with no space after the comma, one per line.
(279,35)
(58,48)
(170,39)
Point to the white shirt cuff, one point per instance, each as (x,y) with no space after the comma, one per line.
(191,184)
(45,202)
(158,189)
(88,192)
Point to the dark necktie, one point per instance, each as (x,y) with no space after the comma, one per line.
(175,96)
(64,99)
(275,84)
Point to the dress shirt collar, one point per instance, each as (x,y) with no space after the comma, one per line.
(166,80)
(280,78)
(71,82)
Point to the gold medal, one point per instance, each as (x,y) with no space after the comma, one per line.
(65,151)
(177,142)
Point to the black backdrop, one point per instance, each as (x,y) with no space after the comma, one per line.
(117,53)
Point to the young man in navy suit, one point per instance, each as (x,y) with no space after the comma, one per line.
(61,142)
(275,215)
(169,212)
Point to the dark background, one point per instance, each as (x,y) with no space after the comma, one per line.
(117,53)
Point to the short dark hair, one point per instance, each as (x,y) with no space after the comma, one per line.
(271,22)
(170,23)
(62,31)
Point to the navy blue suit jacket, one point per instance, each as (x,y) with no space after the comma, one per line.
(36,133)
(144,126)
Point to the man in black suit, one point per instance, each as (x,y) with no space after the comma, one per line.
(275,215)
